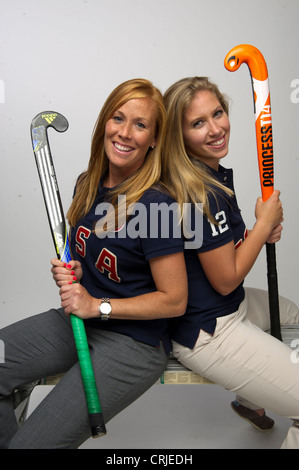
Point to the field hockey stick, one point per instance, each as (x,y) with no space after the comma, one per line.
(245,53)
(54,208)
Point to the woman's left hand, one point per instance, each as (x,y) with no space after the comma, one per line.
(76,300)
(275,235)
(64,273)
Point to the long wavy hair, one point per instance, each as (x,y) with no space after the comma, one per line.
(146,176)
(187,178)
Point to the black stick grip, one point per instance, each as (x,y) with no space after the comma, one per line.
(273,291)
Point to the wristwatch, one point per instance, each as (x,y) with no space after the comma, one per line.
(105,309)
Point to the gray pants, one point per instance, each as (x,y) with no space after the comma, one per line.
(43,345)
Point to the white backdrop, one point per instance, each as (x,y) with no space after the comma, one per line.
(67,55)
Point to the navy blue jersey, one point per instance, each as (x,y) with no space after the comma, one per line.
(118,266)
(204,303)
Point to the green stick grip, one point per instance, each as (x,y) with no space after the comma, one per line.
(89,383)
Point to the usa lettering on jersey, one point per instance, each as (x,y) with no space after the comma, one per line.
(106,261)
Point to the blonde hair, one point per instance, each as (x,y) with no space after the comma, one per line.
(187,179)
(146,176)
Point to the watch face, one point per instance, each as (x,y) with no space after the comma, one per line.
(105,308)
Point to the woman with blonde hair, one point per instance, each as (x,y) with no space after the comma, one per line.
(124,283)
(215,337)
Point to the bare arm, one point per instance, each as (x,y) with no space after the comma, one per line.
(226,267)
(169,300)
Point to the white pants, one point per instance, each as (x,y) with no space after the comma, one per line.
(246,360)
(258,309)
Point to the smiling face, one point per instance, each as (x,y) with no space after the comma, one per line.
(128,135)
(206,129)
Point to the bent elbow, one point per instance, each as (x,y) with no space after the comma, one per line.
(179,312)
(223,288)
(224,291)
(180,307)
(176,306)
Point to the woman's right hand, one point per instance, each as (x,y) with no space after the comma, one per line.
(66,273)
(270,212)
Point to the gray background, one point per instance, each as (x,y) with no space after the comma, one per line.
(66,56)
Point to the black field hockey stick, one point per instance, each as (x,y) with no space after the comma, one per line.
(55,213)
(255,61)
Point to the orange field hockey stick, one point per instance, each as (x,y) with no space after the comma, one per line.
(245,53)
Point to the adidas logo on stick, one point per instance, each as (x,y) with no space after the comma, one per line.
(49,117)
